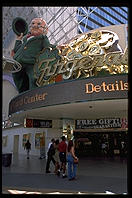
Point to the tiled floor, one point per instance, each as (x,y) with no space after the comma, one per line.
(96,175)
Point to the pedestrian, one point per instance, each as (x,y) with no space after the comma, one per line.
(42,148)
(62,154)
(72,166)
(28,148)
(52,141)
(57,158)
(50,154)
(103,149)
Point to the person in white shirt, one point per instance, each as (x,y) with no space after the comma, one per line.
(50,153)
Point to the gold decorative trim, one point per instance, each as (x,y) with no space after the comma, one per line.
(86,55)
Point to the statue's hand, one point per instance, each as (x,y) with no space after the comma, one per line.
(20,37)
(60,47)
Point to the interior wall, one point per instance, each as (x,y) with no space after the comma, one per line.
(8,92)
(11,132)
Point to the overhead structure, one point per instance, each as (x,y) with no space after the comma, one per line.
(90,18)
(62,23)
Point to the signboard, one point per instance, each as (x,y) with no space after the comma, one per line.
(82,57)
(28,123)
(98,123)
(42,123)
(35,123)
(90,89)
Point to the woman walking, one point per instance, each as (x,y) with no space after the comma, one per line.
(72,167)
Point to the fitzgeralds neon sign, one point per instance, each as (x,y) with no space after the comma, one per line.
(83,57)
(112,62)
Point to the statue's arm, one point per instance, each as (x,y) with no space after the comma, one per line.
(46,43)
(18,44)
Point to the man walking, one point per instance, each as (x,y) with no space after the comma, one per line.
(50,153)
(28,148)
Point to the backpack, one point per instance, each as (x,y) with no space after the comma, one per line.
(51,150)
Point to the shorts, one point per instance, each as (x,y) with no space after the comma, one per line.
(62,156)
(56,157)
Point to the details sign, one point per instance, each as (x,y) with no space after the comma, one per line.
(115,86)
(83,90)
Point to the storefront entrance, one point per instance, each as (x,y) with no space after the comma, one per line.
(103,144)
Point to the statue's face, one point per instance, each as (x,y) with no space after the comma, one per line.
(38,27)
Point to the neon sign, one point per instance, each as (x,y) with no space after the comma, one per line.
(82,57)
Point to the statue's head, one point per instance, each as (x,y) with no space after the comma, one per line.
(38,27)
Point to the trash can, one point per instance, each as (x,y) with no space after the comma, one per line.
(6,159)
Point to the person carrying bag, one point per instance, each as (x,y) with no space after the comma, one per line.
(75,161)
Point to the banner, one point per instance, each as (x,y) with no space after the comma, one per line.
(35,123)
(90,89)
(98,123)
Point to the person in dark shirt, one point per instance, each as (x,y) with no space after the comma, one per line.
(50,154)
(62,154)
(28,148)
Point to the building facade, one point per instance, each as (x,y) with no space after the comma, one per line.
(89,106)
(94,17)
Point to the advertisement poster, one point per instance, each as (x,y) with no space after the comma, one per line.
(25,138)
(39,140)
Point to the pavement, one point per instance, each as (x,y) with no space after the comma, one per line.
(95,175)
